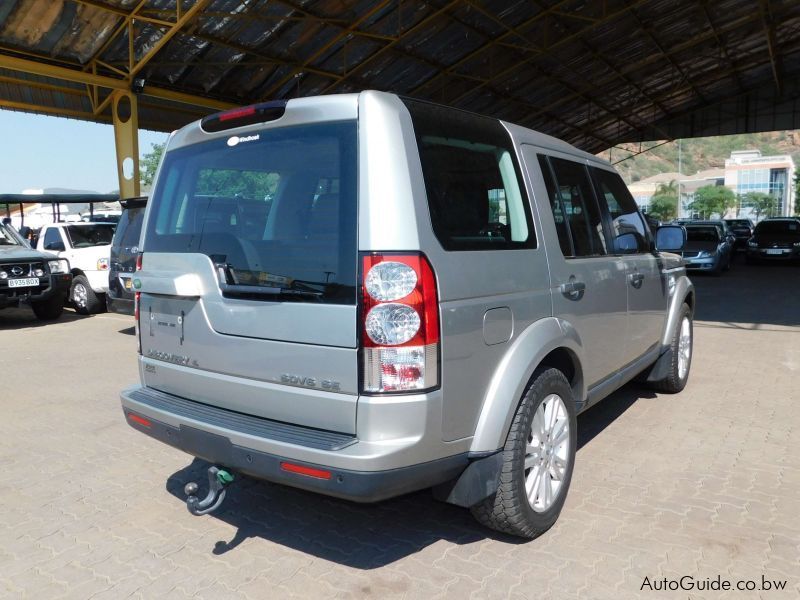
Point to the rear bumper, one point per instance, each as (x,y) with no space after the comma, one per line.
(239,442)
(704,264)
(121,306)
(762,254)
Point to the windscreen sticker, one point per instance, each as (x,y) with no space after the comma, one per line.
(236,140)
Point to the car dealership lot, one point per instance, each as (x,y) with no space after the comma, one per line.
(703,484)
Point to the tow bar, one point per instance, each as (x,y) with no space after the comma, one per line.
(218,481)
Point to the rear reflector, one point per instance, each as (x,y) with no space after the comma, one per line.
(140,420)
(308,471)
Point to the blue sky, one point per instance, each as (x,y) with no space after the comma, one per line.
(38,151)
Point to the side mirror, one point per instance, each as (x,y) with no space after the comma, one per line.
(670,238)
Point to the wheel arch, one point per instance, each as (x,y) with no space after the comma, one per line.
(549,342)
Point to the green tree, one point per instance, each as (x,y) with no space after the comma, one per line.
(760,203)
(663,207)
(797,193)
(711,200)
(668,189)
(148,163)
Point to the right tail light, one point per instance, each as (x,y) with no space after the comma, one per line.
(400,326)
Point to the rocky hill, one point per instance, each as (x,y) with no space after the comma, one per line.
(698,154)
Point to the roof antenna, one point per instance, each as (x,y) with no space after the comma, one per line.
(297,77)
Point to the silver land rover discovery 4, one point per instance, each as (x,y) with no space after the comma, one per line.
(365,295)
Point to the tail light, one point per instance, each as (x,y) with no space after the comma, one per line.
(136,301)
(400,323)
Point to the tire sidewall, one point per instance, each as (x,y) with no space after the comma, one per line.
(548,382)
(686,313)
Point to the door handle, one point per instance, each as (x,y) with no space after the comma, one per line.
(636,280)
(573,289)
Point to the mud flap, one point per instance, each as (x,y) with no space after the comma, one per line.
(479,480)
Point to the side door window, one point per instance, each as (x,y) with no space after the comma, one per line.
(52,240)
(577,205)
(631,235)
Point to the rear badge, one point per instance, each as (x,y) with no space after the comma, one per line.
(236,140)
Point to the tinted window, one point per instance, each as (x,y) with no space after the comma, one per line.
(475,192)
(625,217)
(84,236)
(130,227)
(556,206)
(52,239)
(7,237)
(779,228)
(275,209)
(580,209)
(702,234)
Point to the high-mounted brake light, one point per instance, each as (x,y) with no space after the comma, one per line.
(400,323)
(246,115)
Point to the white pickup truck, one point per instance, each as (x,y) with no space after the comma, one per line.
(87,247)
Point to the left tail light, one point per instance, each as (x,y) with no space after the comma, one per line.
(399,323)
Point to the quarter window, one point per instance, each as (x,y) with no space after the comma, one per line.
(475,192)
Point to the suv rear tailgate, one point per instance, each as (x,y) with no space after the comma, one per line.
(309,381)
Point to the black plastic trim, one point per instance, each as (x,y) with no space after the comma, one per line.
(358,486)
(318,439)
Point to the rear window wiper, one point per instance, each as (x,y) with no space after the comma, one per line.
(278,286)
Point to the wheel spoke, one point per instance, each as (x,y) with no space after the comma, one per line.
(544,492)
(532,483)
(561,433)
(558,468)
(532,459)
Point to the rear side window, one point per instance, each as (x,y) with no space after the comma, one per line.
(272,209)
(625,217)
(576,200)
(564,239)
(476,196)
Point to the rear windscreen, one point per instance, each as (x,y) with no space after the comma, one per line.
(129,228)
(276,207)
(702,234)
(84,236)
(779,228)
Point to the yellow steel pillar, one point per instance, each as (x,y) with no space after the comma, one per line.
(126,139)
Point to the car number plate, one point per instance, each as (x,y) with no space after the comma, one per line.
(774,251)
(29,282)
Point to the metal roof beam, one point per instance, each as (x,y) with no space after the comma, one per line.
(769,32)
(718,39)
(182,21)
(103,81)
(421,23)
(379,6)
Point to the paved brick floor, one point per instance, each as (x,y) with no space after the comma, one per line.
(704,483)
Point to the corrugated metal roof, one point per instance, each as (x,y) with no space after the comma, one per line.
(594,73)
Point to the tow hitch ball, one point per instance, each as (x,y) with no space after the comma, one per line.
(218,481)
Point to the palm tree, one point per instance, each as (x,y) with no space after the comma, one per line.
(667,189)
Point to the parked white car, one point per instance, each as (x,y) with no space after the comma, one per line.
(87,247)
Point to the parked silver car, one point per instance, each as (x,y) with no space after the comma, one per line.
(365,295)
(706,249)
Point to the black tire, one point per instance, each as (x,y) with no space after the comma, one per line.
(83,298)
(509,510)
(50,309)
(673,382)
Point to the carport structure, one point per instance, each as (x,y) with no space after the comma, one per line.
(593,72)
